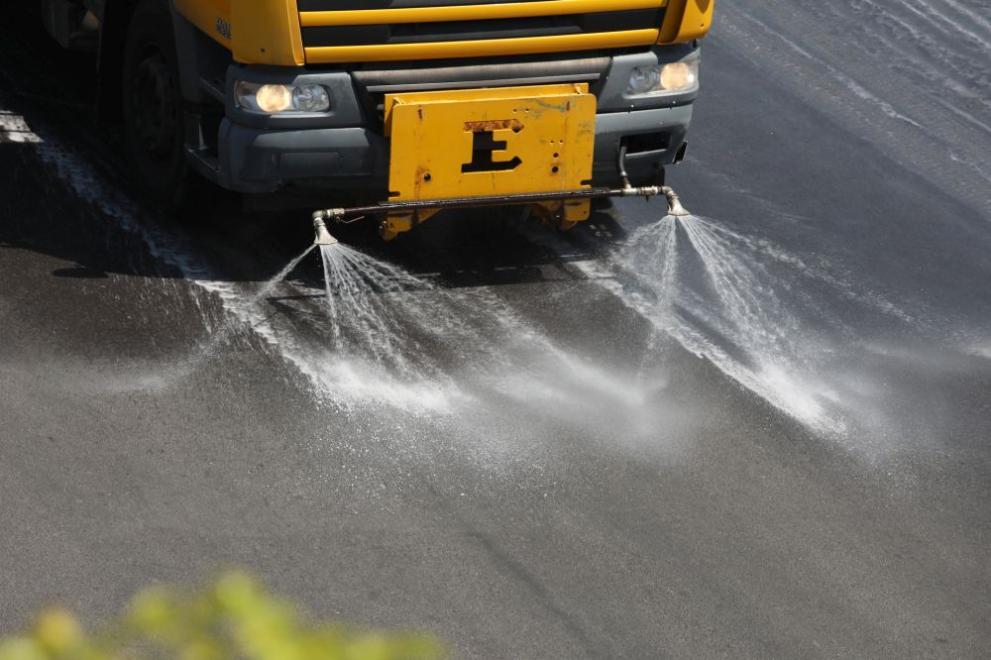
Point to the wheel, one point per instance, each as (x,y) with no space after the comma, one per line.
(153,106)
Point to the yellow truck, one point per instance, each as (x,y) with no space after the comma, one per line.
(403,106)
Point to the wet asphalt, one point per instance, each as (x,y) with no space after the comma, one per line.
(811,478)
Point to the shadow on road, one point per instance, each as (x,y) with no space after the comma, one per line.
(69,195)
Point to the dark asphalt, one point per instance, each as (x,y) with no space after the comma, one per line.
(795,465)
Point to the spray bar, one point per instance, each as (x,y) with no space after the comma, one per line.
(344,214)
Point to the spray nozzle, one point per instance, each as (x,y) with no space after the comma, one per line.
(322,236)
(674,203)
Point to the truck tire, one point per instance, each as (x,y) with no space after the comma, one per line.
(153,106)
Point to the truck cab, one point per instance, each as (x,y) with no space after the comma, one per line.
(386,100)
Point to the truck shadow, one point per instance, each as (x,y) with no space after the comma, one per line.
(72,201)
(67,194)
(492,247)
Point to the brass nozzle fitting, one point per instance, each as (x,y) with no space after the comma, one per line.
(674,203)
(322,236)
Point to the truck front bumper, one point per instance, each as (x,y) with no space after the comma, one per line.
(343,151)
(258,160)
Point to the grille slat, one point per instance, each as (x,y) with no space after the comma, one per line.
(356,5)
(512,28)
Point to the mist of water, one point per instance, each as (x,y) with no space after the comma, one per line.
(264,291)
(399,337)
(232,324)
(396,337)
(269,286)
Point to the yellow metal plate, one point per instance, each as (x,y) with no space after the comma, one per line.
(556,43)
(484,142)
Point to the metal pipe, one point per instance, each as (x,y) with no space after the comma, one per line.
(340,214)
(621,166)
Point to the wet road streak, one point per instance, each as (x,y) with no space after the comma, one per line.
(761,432)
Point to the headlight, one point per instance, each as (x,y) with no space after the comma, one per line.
(273,98)
(276,99)
(668,79)
(678,76)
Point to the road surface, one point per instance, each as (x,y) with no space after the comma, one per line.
(557,447)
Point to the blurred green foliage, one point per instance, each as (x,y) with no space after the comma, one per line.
(233,618)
